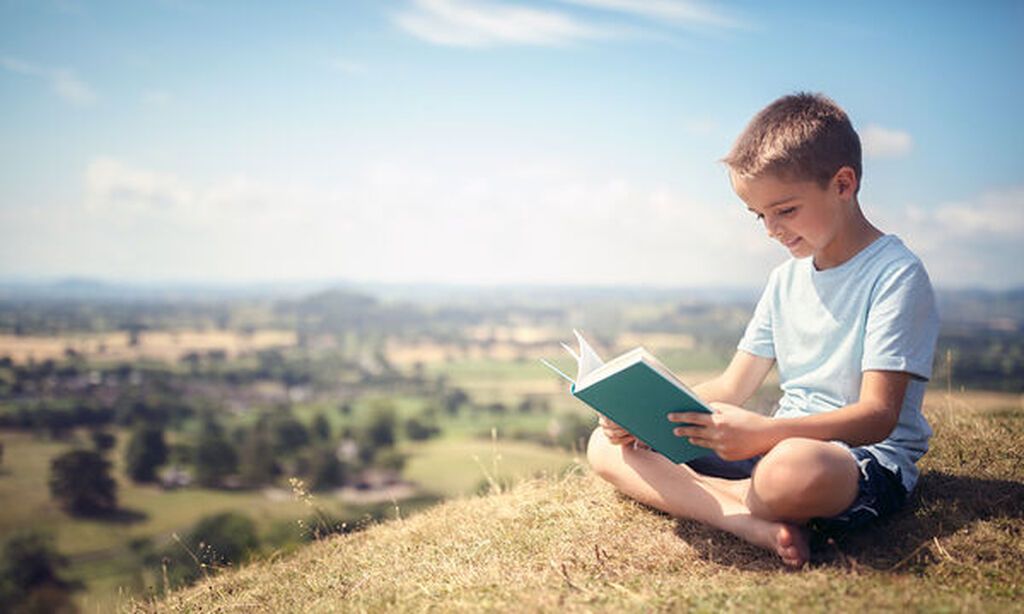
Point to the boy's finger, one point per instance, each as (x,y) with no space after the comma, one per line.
(700,419)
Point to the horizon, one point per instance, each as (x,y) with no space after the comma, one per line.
(484,142)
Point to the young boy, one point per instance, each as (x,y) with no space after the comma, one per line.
(851,323)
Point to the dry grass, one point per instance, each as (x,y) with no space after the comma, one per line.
(571,543)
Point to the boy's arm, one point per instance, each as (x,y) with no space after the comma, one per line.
(735,433)
(738,382)
(869,420)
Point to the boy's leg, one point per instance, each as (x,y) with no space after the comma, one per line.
(653,479)
(800,479)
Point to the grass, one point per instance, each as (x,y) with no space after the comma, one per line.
(571,543)
(453,467)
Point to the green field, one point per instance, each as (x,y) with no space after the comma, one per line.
(100,552)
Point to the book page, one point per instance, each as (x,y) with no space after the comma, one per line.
(588,360)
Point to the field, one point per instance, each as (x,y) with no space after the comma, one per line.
(153,345)
(100,551)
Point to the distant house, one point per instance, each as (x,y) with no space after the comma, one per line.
(175,477)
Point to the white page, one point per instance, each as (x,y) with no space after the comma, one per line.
(588,360)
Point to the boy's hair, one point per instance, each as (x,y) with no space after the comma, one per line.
(802,137)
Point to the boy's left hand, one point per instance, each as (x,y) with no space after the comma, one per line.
(732,432)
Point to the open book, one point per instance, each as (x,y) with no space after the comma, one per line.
(636,392)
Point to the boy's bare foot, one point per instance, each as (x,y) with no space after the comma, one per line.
(789,541)
(791,545)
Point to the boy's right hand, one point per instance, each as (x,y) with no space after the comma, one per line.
(615,433)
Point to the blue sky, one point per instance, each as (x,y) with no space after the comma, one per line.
(567,141)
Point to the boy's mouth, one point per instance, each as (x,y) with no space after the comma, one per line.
(791,243)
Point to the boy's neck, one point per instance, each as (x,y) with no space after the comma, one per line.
(856,234)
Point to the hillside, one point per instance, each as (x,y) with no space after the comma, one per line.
(570,542)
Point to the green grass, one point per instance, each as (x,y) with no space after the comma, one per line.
(572,544)
(453,467)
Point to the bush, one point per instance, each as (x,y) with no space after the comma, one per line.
(103,441)
(31,575)
(214,542)
(419,429)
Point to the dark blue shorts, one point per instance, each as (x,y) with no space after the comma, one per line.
(880,491)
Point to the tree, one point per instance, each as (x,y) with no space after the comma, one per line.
(215,456)
(31,577)
(289,434)
(321,427)
(256,458)
(103,441)
(379,428)
(146,451)
(454,400)
(80,481)
(326,471)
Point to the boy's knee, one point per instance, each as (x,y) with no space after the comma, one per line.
(792,475)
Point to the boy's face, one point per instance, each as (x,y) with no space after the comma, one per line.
(801,215)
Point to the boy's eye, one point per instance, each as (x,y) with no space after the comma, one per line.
(787,211)
(759,216)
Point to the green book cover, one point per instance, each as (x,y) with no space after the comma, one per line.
(636,392)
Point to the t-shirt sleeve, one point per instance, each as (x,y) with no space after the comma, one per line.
(759,339)
(902,323)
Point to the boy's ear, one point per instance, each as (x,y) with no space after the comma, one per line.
(845,181)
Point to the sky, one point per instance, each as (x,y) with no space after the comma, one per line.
(486,142)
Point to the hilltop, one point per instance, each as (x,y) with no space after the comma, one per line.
(570,542)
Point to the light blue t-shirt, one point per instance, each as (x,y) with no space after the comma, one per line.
(876,311)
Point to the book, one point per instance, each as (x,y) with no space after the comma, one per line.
(636,391)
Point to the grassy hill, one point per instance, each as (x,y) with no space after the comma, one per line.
(571,543)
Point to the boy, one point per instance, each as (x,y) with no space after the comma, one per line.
(851,323)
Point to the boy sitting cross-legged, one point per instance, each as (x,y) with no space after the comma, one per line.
(850,322)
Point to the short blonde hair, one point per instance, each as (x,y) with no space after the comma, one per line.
(802,137)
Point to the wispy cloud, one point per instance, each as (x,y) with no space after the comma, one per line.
(346,66)
(156,98)
(879,142)
(464,23)
(969,242)
(679,12)
(62,81)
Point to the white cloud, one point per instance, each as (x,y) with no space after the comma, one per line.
(465,23)
(62,81)
(444,220)
(974,242)
(118,189)
(682,12)
(879,142)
